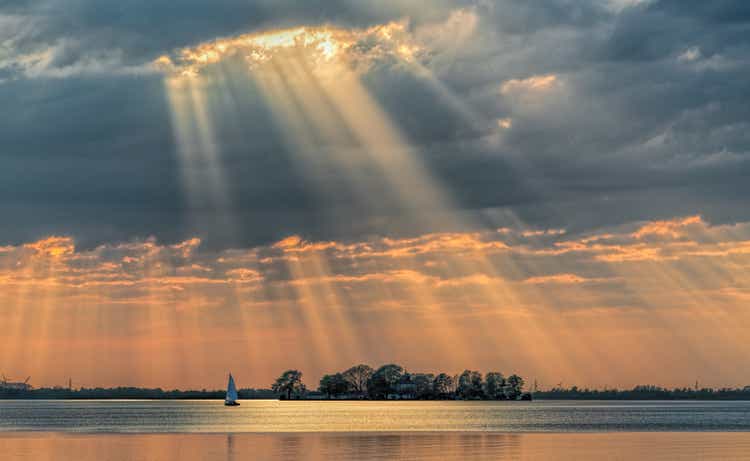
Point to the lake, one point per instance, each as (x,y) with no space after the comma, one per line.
(205,416)
(206,430)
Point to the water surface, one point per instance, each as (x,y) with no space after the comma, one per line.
(657,446)
(307,416)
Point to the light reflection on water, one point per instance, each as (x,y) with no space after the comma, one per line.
(275,416)
(375,446)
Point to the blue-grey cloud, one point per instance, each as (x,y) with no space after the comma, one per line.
(647,117)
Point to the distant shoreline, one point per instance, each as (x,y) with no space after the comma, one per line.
(642,393)
(26,396)
(320,400)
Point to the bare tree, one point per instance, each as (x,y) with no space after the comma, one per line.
(357,377)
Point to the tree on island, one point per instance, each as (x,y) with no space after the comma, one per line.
(289,383)
(470,385)
(514,387)
(494,386)
(442,386)
(334,385)
(424,385)
(384,380)
(358,376)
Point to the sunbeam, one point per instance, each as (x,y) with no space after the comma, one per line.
(201,164)
(309,79)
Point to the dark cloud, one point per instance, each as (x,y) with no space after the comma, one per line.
(647,118)
(659,29)
(523,17)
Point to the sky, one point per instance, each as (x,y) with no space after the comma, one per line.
(554,188)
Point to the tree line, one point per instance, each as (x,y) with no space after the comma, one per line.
(646,392)
(393,382)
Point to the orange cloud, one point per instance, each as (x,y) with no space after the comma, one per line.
(563,279)
(295,244)
(53,246)
(476,279)
(438,243)
(244,275)
(673,229)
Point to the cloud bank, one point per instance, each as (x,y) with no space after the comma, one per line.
(570,114)
(522,295)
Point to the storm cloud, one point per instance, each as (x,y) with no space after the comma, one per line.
(570,114)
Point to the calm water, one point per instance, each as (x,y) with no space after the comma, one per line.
(276,416)
(207,431)
(656,446)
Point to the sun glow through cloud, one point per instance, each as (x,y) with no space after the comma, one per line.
(320,44)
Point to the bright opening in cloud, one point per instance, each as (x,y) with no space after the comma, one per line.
(317,43)
(535,83)
(505,123)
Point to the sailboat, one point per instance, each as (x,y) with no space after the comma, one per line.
(231,398)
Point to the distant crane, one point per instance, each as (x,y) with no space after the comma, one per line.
(6,385)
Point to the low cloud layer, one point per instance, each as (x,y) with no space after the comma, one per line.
(330,302)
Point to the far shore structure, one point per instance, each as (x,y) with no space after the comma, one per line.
(8,386)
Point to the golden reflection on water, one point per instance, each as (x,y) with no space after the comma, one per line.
(375,446)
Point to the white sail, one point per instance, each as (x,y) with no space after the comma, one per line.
(231,390)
